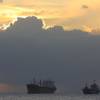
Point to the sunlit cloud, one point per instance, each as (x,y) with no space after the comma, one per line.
(9,13)
(71,14)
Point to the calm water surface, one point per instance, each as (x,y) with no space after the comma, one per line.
(48,97)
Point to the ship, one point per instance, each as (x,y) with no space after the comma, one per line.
(41,87)
(92,89)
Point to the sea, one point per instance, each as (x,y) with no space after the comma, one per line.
(48,97)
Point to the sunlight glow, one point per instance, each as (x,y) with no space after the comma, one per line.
(71,14)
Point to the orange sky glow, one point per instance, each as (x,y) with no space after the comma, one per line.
(71,14)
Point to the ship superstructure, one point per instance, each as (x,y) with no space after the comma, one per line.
(43,86)
(92,89)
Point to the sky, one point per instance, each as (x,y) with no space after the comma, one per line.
(71,14)
(61,41)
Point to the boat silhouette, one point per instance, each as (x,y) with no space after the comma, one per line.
(43,86)
(92,89)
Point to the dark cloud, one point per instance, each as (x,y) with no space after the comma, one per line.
(1,1)
(69,57)
(85,6)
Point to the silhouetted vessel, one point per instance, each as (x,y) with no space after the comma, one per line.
(45,86)
(93,89)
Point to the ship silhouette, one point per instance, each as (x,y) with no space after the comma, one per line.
(43,86)
(92,89)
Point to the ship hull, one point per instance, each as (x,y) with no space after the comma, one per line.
(89,91)
(35,89)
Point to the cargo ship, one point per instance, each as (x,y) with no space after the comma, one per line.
(92,89)
(41,87)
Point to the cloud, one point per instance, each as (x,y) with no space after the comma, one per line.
(1,1)
(84,12)
(85,6)
(28,50)
(31,24)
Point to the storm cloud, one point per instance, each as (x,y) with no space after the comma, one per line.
(27,50)
(85,6)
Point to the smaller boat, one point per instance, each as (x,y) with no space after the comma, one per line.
(92,89)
